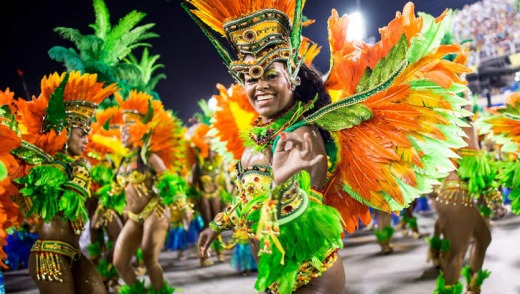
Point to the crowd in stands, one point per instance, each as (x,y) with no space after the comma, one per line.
(493,25)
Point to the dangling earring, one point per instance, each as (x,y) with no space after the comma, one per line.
(296,82)
(69,130)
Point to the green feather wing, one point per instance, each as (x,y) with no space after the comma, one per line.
(349,112)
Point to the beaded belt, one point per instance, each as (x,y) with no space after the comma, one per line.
(155,205)
(47,258)
(454,192)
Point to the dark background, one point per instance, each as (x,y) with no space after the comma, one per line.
(192,65)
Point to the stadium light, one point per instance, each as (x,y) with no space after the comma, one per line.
(356,28)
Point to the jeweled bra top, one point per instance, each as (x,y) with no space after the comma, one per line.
(134,177)
(256,181)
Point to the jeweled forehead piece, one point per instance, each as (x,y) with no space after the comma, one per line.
(79,113)
(255,68)
(253,33)
(131,116)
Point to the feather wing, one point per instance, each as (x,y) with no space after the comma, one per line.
(387,159)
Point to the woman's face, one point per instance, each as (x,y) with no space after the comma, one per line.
(272,93)
(77,141)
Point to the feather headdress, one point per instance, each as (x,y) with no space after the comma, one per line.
(105,137)
(66,100)
(269,30)
(10,214)
(154,129)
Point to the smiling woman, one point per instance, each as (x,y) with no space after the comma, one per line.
(320,149)
(22,28)
(291,225)
(271,92)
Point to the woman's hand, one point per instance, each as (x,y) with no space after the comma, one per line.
(293,153)
(206,237)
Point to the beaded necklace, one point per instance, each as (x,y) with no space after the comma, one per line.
(263,133)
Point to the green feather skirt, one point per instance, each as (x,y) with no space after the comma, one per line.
(308,238)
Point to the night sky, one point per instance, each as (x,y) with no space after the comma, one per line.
(192,65)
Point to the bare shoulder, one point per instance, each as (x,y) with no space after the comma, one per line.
(472,137)
(156,163)
(251,157)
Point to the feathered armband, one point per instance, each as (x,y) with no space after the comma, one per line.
(477,170)
(172,189)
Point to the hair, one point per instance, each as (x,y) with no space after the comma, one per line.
(142,167)
(310,86)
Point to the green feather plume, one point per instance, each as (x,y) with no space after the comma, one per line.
(55,116)
(441,288)
(72,204)
(385,67)
(145,81)
(102,51)
(136,288)
(107,270)
(3,171)
(344,117)
(169,186)
(94,249)
(384,234)
(165,289)
(429,39)
(41,186)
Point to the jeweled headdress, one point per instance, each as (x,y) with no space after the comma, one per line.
(154,129)
(66,100)
(136,107)
(73,97)
(270,30)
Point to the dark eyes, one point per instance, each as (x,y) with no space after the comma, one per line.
(251,80)
(269,76)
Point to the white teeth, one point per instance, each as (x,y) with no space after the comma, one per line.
(264,97)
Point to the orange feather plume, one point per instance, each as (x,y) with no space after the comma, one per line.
(376,155)
(114,118)
(10,214)
(215,13)
(233,116)
(7,98)
(30,114)
(513,99)
(198,139)
(167,134)
(347,66)
(508,127)
(404,23)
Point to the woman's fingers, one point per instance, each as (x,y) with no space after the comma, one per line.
(289,139)
(307,145)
